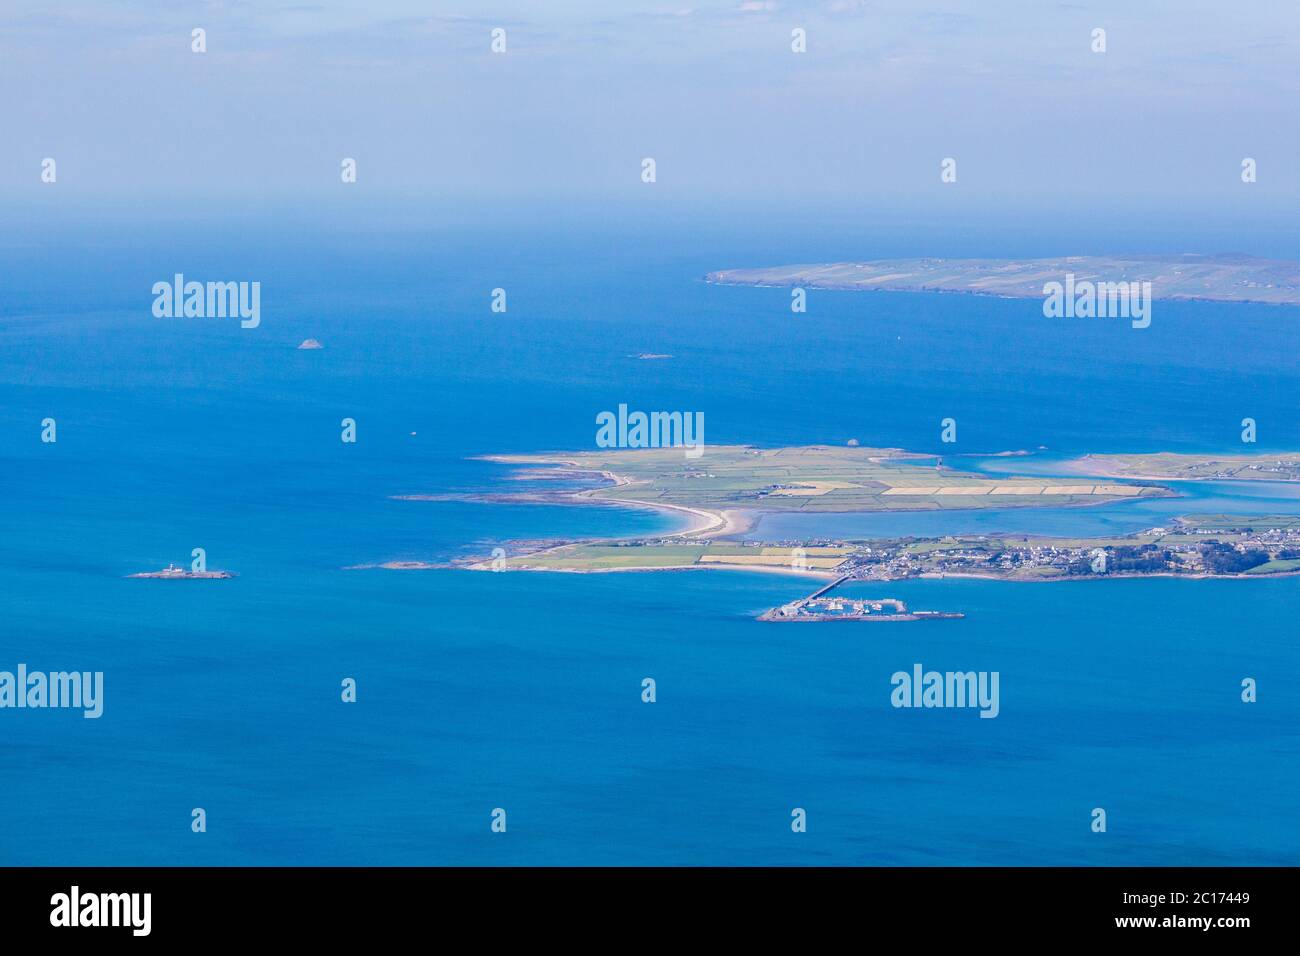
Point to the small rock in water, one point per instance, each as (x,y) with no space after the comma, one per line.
(310,344)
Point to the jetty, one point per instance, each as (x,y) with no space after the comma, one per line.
(821,606)
(826,589)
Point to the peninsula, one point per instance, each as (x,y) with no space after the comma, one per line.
(727,481)
(727,484)
(1221,278)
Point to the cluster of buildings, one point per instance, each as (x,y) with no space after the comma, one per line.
(1185,551)
(1182,549)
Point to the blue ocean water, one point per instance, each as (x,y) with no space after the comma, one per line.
(522,691)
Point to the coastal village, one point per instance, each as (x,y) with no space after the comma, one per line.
(1201,546)
(1194,546)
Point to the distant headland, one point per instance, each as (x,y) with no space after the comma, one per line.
(1218,278)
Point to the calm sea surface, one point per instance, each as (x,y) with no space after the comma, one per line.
(522,691)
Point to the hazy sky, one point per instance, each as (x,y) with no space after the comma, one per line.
(711,90)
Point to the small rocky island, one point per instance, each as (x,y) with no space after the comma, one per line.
(173,573)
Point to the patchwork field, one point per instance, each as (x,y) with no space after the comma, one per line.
(607,557)
(818,478)
(1191,545)
(1222,521)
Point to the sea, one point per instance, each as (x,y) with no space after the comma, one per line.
(518,696)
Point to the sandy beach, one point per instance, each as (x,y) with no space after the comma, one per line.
(703,524)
